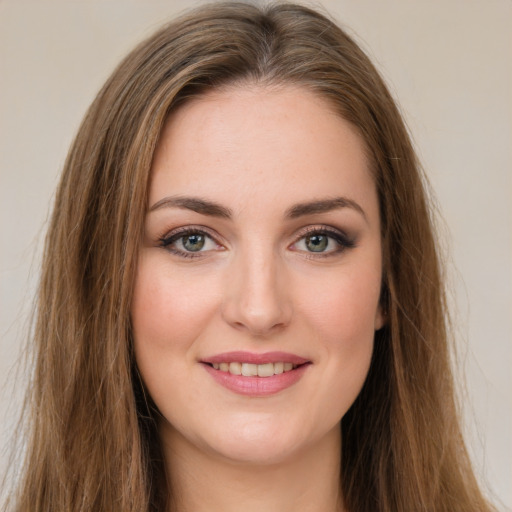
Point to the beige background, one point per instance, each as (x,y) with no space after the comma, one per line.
(448,61)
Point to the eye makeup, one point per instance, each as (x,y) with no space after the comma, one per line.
(313,241)
(190,242)
(322,241)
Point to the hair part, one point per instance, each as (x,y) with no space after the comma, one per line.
(94,444)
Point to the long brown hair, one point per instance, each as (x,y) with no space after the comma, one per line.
(93,443)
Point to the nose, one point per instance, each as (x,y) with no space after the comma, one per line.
(257,296)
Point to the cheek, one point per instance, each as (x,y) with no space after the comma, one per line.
(348,328)
(343,318)
(166,314)
(345,308)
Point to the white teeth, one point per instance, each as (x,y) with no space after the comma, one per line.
(265,370)
(254,370)
(249,370)
(235,368)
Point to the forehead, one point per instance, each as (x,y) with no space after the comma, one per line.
(281,142)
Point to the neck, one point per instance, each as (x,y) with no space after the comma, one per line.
(308,481)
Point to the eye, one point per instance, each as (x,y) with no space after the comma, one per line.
(193,242)
(317,243)
(323,241)
(189,242)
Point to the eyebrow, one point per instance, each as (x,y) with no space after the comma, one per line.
(323,206)
(210,208)
(195,204)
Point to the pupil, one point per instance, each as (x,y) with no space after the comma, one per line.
(193,242)
(316,243)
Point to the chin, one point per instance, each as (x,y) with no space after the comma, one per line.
(259,441)
(262,452)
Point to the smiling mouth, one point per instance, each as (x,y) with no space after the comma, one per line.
(256,375)
(255,370)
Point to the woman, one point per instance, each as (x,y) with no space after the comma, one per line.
(241,296)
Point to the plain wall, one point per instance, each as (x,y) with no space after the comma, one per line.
(449,63)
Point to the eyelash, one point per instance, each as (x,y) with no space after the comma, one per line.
(343,241)
(167,240)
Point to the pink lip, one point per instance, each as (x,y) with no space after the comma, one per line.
(256,386)
(252,358)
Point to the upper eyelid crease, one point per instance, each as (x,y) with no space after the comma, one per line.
(186,230)
(338,235)
(167,241)
(341,238)
(210,208)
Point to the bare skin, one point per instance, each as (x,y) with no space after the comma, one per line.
(309,482)
(262,240)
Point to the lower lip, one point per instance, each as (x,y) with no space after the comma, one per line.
(257,386)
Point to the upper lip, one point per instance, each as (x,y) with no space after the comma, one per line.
(253,358)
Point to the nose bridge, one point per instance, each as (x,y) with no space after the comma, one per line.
(256,297)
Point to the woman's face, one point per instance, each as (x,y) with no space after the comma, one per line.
(262,256)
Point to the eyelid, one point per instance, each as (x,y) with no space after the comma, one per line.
(340,237)
(323,228)
(169,237)
(192,228)
(343,240)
